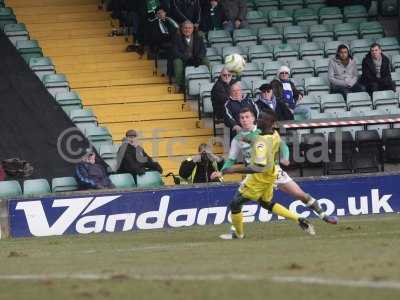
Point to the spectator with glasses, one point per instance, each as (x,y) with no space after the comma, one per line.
(220,93)
(267,101)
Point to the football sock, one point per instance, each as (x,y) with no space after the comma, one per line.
(284,212)
(314,205)
(237,221)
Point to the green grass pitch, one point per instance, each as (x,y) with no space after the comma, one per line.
(357,259)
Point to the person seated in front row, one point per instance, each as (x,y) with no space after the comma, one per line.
(133,159)
(266,100)
(90,174)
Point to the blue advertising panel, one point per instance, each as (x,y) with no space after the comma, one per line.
(187,206)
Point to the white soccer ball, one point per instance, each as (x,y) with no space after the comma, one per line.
(235,63)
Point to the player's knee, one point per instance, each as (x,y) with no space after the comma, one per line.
(235,206)
(267,205)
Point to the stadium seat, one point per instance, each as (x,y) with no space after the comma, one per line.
(355,14)
(295,34)
(391,143)
(396,79)
(56,83)
(270,36)
(299,83)
(280,18)
(109,154)
(98,136)
(369,146)
(244,37)
(330,15)
(205,105)
(321,33)
(331,48)
(341,150)
(301,68)
(314,158)
(266,5)
(259,53)
(362,46)
(316,86)
(286,52)
(346,31)
(311,102)
(359,101)
(63,184)
(215,71)
(42,66)
(256,19)
(16,32)
(234,49)
(252,71)
(311,50)
(194,76)
(6,17)
(385,100)
(372,29)
(219,38)
(271,68)
(36,187)
(321,67)
(358,57)
(69,101)
(213,56)
(29,49)
(305,16)
(82,116)
(291,5)
(390,45)
(10,188)
(396,62)
(333,103)
(123,181)
(315,4)
(149,179)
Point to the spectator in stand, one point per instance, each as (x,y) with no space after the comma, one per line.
(90,174)
(2,173)
(220,93)
(286,91)
(235,103)
(342,73)
(376,71)
(186,10)
(266,101)
(198,169)
(235,12)
(188,50)
(133,159)
(212,16)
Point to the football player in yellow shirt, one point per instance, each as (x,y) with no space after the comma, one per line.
(259,183)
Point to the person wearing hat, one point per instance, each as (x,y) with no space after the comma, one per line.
(266,100)
(343,73)
(286,91)
(91,175)
(133,159)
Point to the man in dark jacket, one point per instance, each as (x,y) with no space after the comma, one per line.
(266,100)
(220,93)
(235,12)
(376,71)
(92,175)
(133,159)
(188,50)
(212,16)
(186,10)
(198,169)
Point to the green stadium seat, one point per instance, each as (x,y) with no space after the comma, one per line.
(330,15)
(69,99)
(295,34)
(355,13)
(390,45)
(108,151)
(266,5)
(333,103)
(291,5)
(251,71)
(271,68)
(359,102)
(286,52)
(321,33)
(64,184)
(301,68)
(82,116)
(123,181)
(372,29)
(360,46)
(2,3)
(346,31)
(315,4)
(194,76)
(305,16)
(234,49)
(213,56)
(255,17)
(311,101)
(29,49)
(6,17)
(396,79)
(259,53)
(358,57)
(244,37)
(321,67)
(383,99)
(220,38)
(215,71)
(98,136)
(396,62)
(16,32)
(299,83)
(42,66)
(149,179)
(316,85)
(36,187)
(56,83)
(10,188)
(280,18)
(311,50)
(270,36)
(331,48)
(205,104)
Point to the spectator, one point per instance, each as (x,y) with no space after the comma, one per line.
(187,10)
(342,73)
(92,175)
(285,91)
(235,12)
(133,159)
(198,169)
(266,100)
(2,173)
(376,71)
(188,50)
(212,16)
(235,103)
(220,93)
